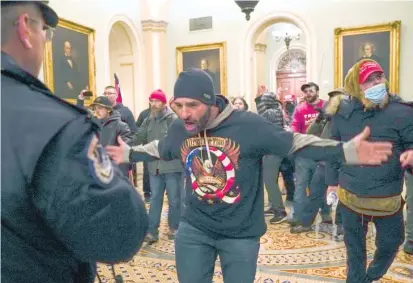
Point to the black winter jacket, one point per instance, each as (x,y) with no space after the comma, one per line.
(113,127)
(394,123)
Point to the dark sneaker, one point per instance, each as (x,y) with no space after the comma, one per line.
(339,235)
(150,238)
(147,198)
(171,234)
(279,217)
(269,211)
(408,248)
(300,229)
(293,222)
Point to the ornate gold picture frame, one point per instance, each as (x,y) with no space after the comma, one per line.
(209,57)
(69,61)
(379,42)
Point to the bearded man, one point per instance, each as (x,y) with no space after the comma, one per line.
(162,174)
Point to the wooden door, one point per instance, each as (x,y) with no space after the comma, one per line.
(291,82)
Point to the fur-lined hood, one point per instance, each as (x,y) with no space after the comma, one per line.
(352,86)
(333,103)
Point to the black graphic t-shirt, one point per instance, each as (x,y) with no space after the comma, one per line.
(224,187)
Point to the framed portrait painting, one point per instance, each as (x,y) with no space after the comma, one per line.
(69,62)
(379,42)
(209,57)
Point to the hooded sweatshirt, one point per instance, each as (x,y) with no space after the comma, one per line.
(223,164)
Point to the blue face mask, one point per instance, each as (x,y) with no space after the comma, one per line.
(376,94)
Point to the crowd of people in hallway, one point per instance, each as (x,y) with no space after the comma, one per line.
(69,198)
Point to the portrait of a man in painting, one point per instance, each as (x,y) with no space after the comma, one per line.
(208,57)
(380,42)
(375,46)
(207,60)
(69,62)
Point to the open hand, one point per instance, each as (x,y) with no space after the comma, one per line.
(406,158)
(261,90)
(119,154)
(370,152)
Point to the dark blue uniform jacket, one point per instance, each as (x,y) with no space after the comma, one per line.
(64,206)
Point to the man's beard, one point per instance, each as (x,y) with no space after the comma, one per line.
(202,123)
(312,99)
(156,112)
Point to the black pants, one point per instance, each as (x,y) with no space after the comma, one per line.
(146,185)
(287,171)
(389,237)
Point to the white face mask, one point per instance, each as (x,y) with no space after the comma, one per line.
(376,94)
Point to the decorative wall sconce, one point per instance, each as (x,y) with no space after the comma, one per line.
(287,37)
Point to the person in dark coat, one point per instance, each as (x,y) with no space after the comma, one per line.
(64,204)
(146,184)
(125,113)
(371,193)
(112,126)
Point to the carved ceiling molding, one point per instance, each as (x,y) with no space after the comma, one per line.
(155,26)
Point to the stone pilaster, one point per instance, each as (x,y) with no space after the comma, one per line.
(155,49)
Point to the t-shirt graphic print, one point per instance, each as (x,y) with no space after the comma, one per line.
(211,168)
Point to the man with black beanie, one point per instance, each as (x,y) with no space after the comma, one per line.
(224,194)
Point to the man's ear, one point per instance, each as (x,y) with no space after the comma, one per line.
(24,31)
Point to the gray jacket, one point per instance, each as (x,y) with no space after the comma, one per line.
(155,129)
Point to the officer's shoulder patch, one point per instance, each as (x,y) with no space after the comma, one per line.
(99,163)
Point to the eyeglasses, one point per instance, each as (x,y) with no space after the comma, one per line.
(109,93)
(48,29)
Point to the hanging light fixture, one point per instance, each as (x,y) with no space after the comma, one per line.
(247,7)
(287,37)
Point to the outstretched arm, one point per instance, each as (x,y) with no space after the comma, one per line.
(357,151)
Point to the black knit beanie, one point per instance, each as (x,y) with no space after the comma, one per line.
(196,84)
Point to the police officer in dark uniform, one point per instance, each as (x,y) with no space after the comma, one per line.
(64,206)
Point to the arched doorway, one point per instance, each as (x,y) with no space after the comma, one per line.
(123,60)
(248,83)
(291,72)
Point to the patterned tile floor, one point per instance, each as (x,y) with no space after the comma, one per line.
(283,258)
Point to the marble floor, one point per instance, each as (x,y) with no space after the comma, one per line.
(284,258)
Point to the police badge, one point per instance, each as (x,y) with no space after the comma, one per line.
(99,162)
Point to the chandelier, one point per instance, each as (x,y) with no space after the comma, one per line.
(247,7)
(287,37)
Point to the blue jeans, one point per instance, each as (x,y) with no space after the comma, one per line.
(308,209)
(271,168)
(389,237)
(172,183)
(196,253)
(304,172)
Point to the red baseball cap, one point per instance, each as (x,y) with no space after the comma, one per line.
(367,68)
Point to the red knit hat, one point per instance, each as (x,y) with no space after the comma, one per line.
(159,95)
